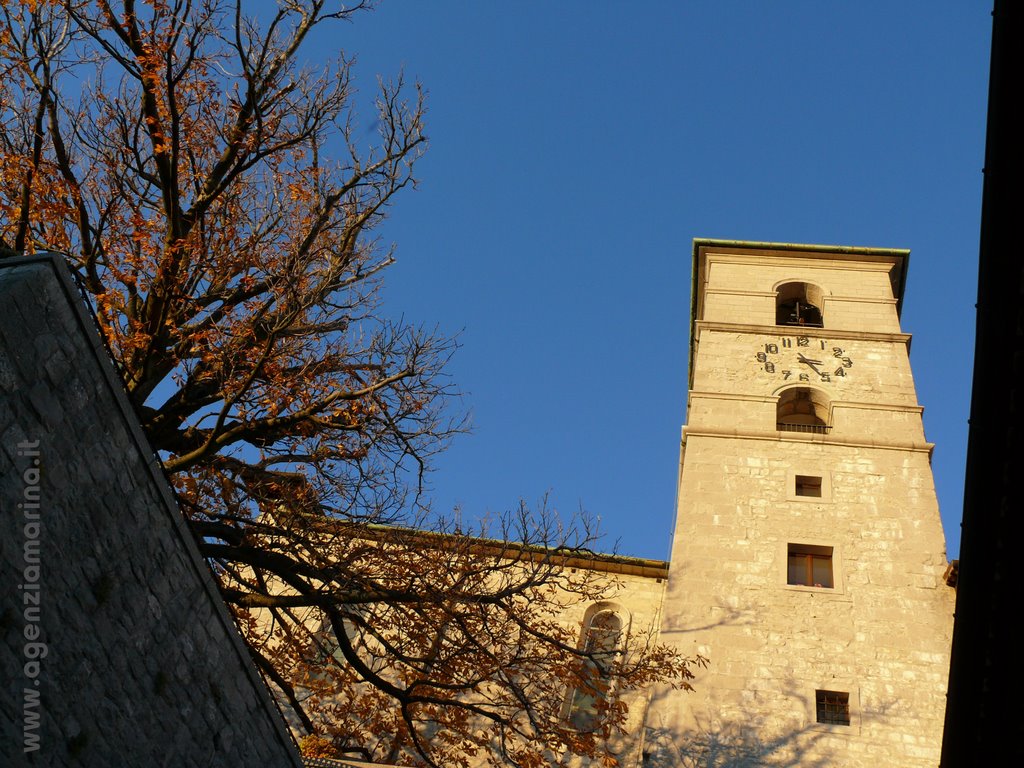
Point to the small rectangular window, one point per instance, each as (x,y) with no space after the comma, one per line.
(808,485)
(833,707)
(810,566)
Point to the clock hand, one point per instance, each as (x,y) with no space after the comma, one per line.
(807,360)
(809,363)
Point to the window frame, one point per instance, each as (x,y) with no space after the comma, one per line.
(813,485)
(811,545)
(811,555)
(805,471)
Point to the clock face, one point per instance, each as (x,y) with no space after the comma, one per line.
(801,358)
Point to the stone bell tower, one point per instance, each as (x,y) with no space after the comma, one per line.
(808,555)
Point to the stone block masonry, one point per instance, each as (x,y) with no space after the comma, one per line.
(808,556)
(117,649)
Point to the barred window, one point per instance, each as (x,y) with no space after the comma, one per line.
(833,707)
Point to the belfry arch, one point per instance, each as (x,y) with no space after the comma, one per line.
(802,409)
(799,303)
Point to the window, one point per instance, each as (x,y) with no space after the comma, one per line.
(808,485)
(802,409)
(809,565)
(833,707)
(799,304)
(325,653)
(602,639)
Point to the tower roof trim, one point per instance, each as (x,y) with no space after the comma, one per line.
(698,242)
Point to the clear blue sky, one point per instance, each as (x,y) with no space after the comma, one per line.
(576,150)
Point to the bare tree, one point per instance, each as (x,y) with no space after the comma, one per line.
(219,209)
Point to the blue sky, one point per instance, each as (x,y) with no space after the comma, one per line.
(577,148)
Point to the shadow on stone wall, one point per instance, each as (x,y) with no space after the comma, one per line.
(744,737)
(732,745)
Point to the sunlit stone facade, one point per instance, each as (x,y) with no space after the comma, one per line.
(808,555)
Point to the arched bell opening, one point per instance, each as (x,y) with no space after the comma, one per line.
(802,409)
(799,304)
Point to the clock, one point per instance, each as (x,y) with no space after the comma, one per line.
(801,358)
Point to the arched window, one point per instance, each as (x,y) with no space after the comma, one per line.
(602,639)
(799,304)
(325,652)
(802,409)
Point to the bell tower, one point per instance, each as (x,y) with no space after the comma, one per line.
(808,557)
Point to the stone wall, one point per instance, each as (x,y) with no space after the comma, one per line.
(636,598)
(881,633)
(117,648)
